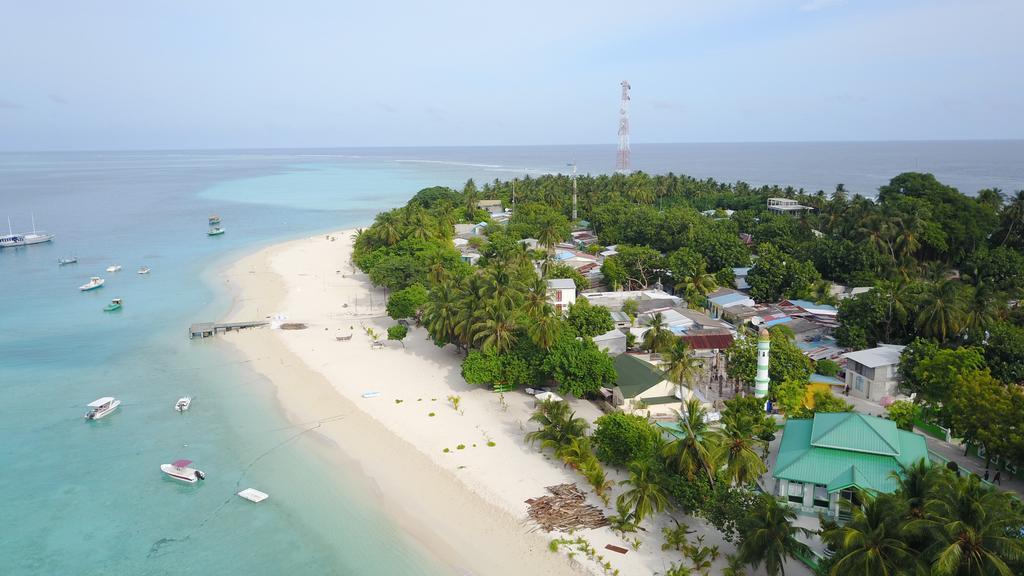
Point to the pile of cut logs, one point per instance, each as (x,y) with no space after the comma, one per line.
(566,509)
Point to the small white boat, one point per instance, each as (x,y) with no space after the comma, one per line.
(101,407)
(180,470)
(114,268)
(144,270)
(183,403)
(93,283)
(67,260)
(371,394)
(254,495)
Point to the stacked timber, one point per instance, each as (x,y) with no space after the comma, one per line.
(565,510)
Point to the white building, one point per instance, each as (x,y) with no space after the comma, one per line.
(561,294)
(785,206)
(873,373)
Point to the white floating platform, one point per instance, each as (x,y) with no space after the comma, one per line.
(253,495)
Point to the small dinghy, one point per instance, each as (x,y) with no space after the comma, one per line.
(68,260)
(183,403)
(216,231)
(144,270)
(180,470)
(371,394)
(114,268)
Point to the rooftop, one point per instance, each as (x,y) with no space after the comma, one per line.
(839,450)
(874,357)
(634,376)
(561,283)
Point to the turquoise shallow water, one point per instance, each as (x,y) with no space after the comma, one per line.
(88,498)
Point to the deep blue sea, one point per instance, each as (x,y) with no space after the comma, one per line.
(88,498)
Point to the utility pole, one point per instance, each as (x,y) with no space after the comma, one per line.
(573,164)
(622,159)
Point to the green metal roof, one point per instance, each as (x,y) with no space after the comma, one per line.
(658,400)
(634,376)
(838,467)
(856,432)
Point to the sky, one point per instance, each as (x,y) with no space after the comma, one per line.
(183,74)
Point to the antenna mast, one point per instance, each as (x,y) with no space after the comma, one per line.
(573,191)
(622,159)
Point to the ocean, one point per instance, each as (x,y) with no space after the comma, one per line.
(88,497)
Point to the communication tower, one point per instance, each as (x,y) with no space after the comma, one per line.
(622,158)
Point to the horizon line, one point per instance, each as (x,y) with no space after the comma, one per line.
(455,146)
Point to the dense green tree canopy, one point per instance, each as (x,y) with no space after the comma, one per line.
(620,438)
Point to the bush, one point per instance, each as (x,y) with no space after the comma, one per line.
(406,303)
(397,332)
(903,413)
(622,438)
(826,367)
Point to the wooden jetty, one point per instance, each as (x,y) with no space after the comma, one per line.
(204,329)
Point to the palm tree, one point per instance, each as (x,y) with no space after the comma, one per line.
(980,310)
(941,315)
(691,454)
(698,285)
(549,234)
(769,537)
(974,529)
(535,298)
(680,365)
(871,542)
(440,313)
(594,473)
(645,495)
(558,425)
(1013,213)
(913,484)
(385,228)
(495,328)
(734,446)
(544,331)
(898,298)
(576,452)
(658,336)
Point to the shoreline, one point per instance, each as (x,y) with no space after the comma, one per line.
(465,522)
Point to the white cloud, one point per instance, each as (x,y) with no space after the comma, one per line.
(815,5)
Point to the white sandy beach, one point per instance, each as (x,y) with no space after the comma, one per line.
(467,505)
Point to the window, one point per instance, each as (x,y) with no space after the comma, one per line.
(558,295)
(820,495)
(858,383)
(796,492)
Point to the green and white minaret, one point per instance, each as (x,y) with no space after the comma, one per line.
(761,380)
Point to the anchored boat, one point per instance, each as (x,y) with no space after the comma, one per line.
(180,470)
(93,283)
(115,304)
(215,231)
(183,403)
(12,240)
(114,268)
(68,260)
(101,407)
(144,270)
(214,219)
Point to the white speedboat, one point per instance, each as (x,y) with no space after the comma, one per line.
(100,408)
(144,270)
(67,260)
(93,283)
(114,268)
(183,403)
(35,237)
(180,470)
